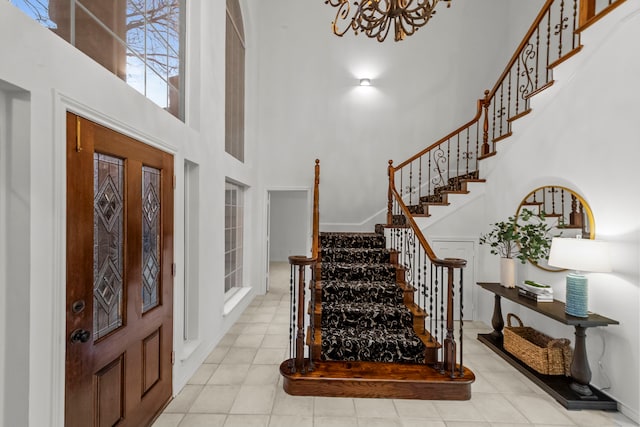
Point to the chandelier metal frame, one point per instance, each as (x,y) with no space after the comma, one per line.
(374,18)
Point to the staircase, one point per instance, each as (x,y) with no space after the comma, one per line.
(378,318)
(372,340)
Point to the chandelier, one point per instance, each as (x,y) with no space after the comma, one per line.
(374,17)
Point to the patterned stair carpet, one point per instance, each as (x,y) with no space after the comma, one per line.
(363,314)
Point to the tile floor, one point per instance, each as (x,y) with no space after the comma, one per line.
(239,385)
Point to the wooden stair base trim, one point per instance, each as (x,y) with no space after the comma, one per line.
(376,380)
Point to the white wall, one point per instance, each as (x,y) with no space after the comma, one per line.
(310,107)
(290,220)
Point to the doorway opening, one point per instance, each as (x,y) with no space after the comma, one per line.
(288,226)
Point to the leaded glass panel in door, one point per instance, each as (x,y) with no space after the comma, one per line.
(150,237)
(108,221)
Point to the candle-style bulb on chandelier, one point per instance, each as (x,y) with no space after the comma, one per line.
(375,18)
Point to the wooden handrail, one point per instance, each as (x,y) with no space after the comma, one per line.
(316,212)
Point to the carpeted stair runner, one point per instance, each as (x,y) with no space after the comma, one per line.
(363,314)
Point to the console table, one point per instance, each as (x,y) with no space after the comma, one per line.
(572,392)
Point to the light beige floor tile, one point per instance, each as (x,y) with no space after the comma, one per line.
(239,356)
(458,411)
(496,408)
(278,328)
(203,373)
(269,356)
(292,405)
(183,401)
(334,407)
(468,424)
(230,374)
(407,408)
(259,318)
(273,302)
(421,422)
(256,328)
(379,422)
(489,363)
(505,382)
(375,408)
(228,340)
(215,399)
(539,410)
(254,399)
(281,319)
(266,308)
(275,341)
(249,340)
(262,375)
(168,420)
(481,385)
(335,422)
(247,421)
(237,328)
(592,418)
(290,421)
(217,354)
(203,420)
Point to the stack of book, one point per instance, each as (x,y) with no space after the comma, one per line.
(535,291)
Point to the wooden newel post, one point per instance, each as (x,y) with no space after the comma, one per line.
(485,126)
(390,173)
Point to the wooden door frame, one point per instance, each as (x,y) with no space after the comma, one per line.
(50,398)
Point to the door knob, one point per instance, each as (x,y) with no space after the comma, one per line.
(80,335)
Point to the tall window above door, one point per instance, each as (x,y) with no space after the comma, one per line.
(234,93)
(140,41)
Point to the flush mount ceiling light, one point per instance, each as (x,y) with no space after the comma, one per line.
(375,17)
(365,82)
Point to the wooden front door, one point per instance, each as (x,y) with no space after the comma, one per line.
(119,278)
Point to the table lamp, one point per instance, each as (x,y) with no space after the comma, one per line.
(581,255)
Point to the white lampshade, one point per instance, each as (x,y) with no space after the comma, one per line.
(580,255)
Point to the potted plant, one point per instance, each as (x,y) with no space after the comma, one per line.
(527,240)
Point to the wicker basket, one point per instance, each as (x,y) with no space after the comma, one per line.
(542,353)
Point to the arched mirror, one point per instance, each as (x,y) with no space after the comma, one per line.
(566,212)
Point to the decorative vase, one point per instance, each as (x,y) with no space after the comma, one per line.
(508,272)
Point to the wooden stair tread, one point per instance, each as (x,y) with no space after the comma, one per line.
(376,380)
